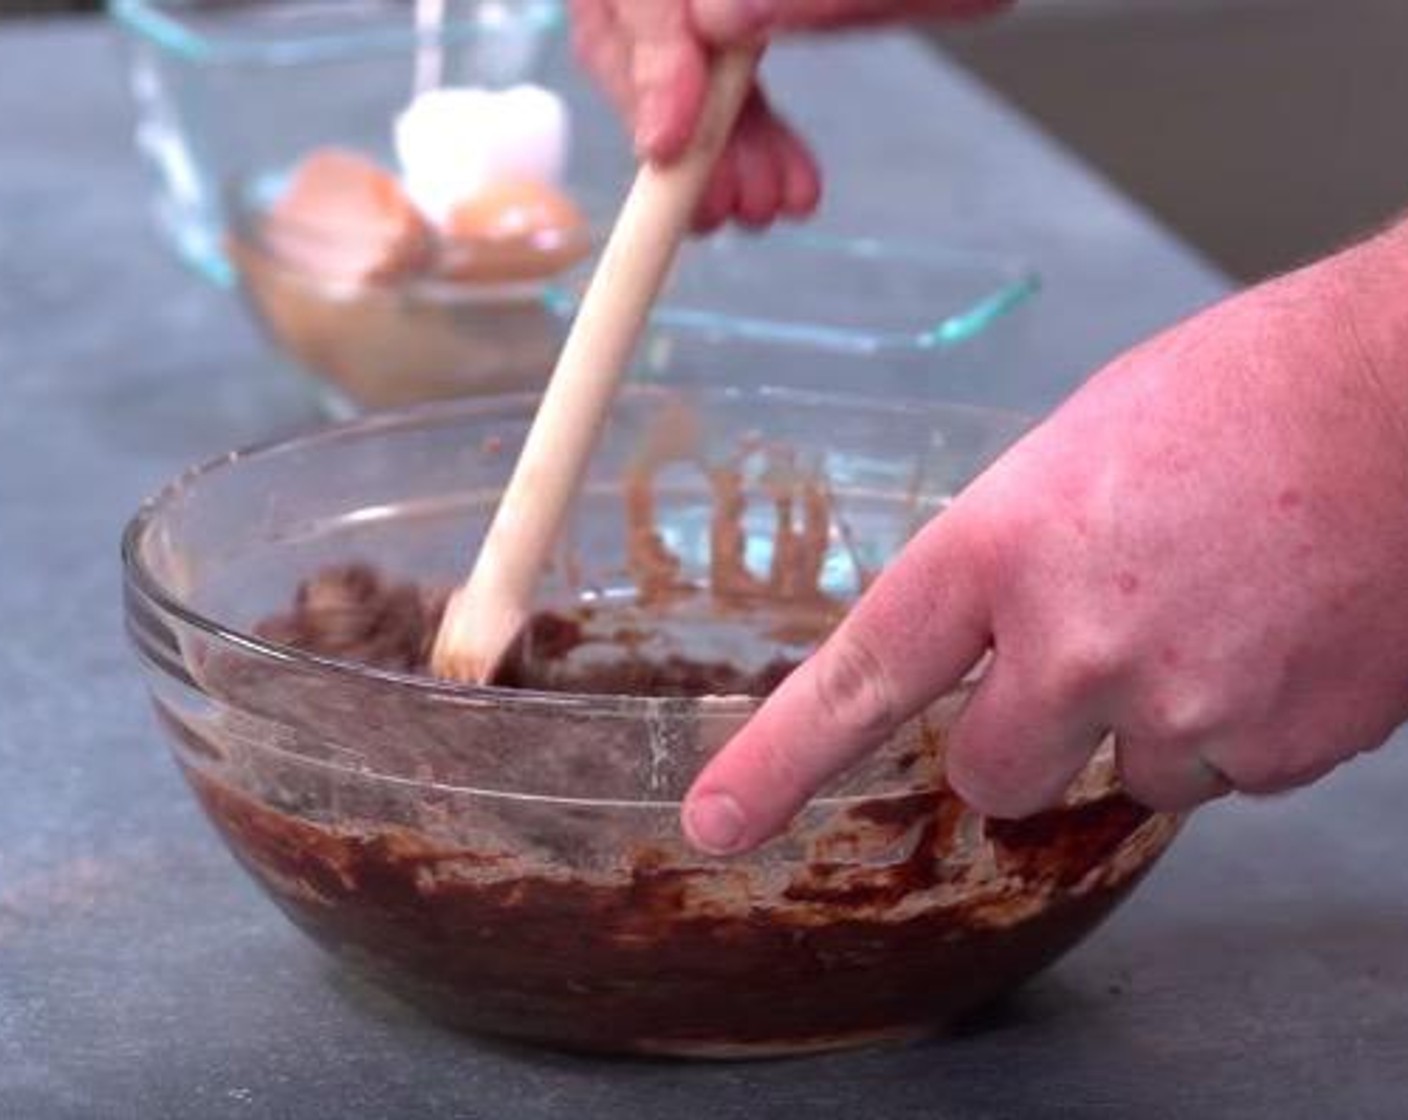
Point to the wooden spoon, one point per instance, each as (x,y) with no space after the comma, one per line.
(485,615)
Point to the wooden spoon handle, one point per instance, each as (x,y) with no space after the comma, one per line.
(487,613)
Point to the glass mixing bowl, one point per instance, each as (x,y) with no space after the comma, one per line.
(511,861)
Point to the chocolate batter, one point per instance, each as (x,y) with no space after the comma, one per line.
(686,959)
(591,925)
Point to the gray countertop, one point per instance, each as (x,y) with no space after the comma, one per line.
(1263,970)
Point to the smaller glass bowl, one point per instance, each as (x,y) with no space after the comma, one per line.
(511,861)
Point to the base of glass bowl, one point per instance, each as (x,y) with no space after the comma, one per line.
(791,1048)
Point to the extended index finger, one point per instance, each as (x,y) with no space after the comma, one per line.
(913,635)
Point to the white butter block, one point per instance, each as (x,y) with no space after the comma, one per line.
(452,142)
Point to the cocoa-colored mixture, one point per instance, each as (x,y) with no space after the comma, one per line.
(678,959)
(740,633)
(895,915)
(685,645)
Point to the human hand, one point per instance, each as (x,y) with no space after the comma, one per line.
(1204,551)
(652,57)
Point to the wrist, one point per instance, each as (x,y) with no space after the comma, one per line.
(1366,290)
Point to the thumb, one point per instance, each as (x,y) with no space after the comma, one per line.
(908,640)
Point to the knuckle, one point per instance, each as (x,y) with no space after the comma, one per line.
(853,689)
(1081,667)
(1178,715)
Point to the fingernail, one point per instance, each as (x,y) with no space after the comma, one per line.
(714,823)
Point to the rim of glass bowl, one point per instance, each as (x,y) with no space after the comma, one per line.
(139,578)
(162,25)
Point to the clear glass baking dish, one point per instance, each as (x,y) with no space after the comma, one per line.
(919,318)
